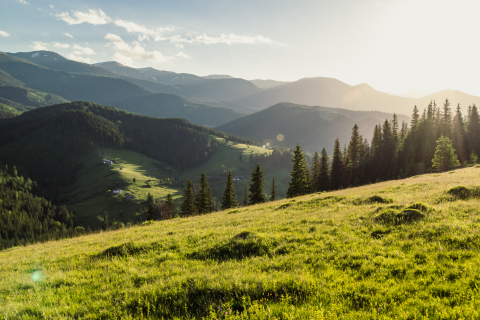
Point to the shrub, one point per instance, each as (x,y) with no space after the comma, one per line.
(418,206)
(459,192)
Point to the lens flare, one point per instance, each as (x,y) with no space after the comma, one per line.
(280,137)
(36,275)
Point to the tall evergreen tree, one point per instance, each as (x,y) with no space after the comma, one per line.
(458,135)
(473,131)
(229,199)
(324,175)
(336,172)
(204,201)
(446,126)
(188,204)
(151,215)
(256,187)
(170,205)
(273,192)
(445,157)
(315,169)
(355,148)
(298,184)
(415,119)
(245,195)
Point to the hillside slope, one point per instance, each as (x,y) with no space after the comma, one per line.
(67,85)
(333,93)
(336,255)
(162,105)
(319,128)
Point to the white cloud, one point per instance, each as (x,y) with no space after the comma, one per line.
(179,45)
(83,51)
(22,1)
(227,39)
(145,33)
(125,53)
(61,45)
(39,45)
(68,35)
(181,54)
(51,6)
(93,16)
(4,34)
(72,56)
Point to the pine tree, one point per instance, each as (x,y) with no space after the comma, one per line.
(273,192)
(324,175)
(315,168)
(445,157)
(229,199)
(415,120)
(446,126)
(188,204)
(170,204)
(203,200)
(473,131)
(245,195)
(298,184)
(151,216)
(256,187)
(458,135)
(354,152)
(336,172)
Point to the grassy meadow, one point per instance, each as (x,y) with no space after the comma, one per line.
(372,252)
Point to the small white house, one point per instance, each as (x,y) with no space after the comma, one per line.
(117,191)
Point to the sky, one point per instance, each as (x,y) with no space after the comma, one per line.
(392,45)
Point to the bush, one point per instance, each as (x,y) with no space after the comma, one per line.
(418,206)
(393,217)
(459,192)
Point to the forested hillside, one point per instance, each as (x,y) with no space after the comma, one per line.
(46,142)
(24,216)
(162,105)
(286,124)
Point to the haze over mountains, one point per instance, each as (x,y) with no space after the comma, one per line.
(47,78)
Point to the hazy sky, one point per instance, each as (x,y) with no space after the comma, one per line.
(393,45)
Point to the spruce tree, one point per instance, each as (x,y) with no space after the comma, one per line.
(458,135)
(445,157)
(315,168)
(188,204)
(324,176)
(170,204)
(273,192)
(354,153)
(245,195)
(229,199)
(256,187)
(151,216)
(203,200)
(473,131)
(336,172)
(298,184)
(446,127)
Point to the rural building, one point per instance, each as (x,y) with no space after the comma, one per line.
(117,191)
(130,197)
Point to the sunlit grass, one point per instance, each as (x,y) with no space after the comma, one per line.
(317,256)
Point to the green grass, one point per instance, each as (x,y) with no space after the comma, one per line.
(227,158)
(92,193)
(328,255)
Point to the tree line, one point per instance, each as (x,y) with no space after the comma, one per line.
(434,141)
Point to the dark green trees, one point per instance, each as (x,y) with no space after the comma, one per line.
(188,205)
(336,172)
(229,199)
(315,172)
(324,174)
(298,185)
(203,200)
(245,195)
(273,192)
(445,157)
(170,204)
(151,215)
(256,187)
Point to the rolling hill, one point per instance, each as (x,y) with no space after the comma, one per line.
(397,249)
(336,94)
(163,105)
(267,84)
(68,85)
(29,97)
(319,128)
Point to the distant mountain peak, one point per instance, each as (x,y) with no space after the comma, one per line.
(111,63)
(218,76)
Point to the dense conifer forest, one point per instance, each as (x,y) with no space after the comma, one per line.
(27,218)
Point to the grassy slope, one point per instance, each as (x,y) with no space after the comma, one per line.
(228,155)
(92,193)
(318,256)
